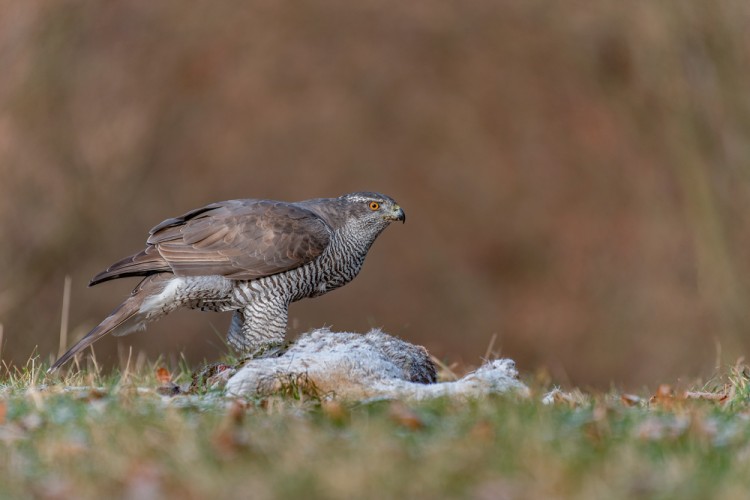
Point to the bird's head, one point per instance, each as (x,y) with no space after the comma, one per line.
(372,210)
(364,213)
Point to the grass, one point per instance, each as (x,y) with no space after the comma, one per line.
(123,438)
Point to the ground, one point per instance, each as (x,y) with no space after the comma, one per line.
(126,438)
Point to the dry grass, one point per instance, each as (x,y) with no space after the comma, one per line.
(123,439)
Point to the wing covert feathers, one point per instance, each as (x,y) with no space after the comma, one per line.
(238,239)
(143,263)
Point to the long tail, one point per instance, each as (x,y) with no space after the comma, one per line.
(126,318)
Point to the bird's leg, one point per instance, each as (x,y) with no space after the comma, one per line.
(258,326)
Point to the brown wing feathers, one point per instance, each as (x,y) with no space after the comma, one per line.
(145,262)
(239,239)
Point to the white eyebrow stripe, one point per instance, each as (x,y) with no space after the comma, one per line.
(361,198)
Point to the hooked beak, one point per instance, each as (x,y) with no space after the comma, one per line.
(398,214)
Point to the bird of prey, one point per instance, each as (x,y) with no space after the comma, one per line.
(253,257)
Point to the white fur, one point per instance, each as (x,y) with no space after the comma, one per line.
(344,365)
(494,377)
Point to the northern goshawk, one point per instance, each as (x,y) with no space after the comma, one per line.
(253,257)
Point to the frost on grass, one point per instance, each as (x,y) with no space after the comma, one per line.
(371,366)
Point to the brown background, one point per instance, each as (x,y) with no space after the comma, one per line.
(575,174)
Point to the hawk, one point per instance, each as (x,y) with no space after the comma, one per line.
(253,257)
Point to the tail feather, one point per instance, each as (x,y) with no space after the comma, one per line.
(126,318)
(123,319)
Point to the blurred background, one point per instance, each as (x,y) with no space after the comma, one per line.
(576,175)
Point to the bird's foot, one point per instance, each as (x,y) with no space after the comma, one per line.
(211,376)
(266,350)
(215,375)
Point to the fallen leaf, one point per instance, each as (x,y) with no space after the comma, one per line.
(236,412)
(229,438)
(664,396)
(163,376)
(3,411)
(91,394)
(665,391)
(630,399)
(334,410)
(405,416)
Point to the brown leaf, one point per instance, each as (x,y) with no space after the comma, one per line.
(3,411)
(163,376)
(91,394)
(665,392)
(630,399)
(335,411)
(664,396)
(229,438)
(236,412)
(405,416)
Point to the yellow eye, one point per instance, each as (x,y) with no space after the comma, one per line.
(374,205)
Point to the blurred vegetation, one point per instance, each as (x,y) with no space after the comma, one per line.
(576,175)
(119,438)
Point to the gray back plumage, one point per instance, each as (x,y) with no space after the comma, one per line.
(244,239)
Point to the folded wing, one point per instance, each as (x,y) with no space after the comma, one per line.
(238,239)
